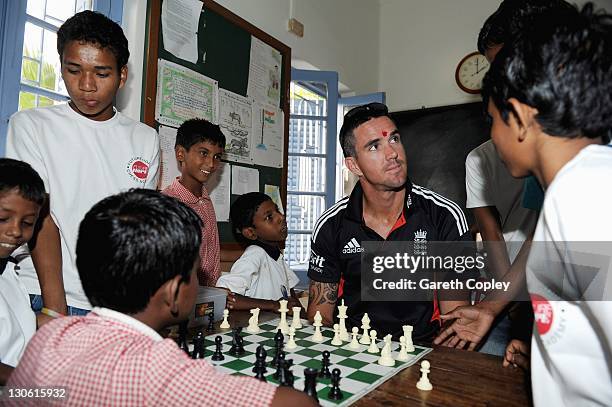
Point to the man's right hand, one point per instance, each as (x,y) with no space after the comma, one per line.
(517,354)
(471,324)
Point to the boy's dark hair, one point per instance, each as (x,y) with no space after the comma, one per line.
(355,118)
(20,176)
(131,243)
(242,211)
(195,131)
(94,28)
(509,18)
(562,66)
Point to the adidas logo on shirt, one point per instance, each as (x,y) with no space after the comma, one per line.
(352,246)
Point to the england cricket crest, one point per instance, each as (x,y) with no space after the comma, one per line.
(420,243)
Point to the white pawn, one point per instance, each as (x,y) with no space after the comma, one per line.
(408,335)
(291,344)
(225,324)
(282,325)
(403,355)
(317,336)
(354,343)
(365,325)
(424,383)
(253,327)
(296,323)
(336,341)
(373,347)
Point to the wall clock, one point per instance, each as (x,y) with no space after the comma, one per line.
(470,72)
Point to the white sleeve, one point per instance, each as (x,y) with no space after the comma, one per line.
(21,144)
(291,276)
(243,272)
(153,175)
(476,171)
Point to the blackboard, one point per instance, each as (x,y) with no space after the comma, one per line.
(225,39)
(437,141)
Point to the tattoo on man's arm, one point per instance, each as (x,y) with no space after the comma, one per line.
(321,293)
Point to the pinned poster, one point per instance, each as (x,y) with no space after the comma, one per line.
(235,120)
(273,192)
(218,187)
(244,180)
(179,21)
(268,137)
(169,165)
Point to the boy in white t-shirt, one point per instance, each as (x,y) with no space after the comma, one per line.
(84,151)
(549,94)
(260,277)
(22,194)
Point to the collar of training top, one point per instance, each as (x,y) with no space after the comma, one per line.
(354,208)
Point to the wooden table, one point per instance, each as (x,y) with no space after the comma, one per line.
(459,378)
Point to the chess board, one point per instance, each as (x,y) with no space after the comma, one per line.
(360,371)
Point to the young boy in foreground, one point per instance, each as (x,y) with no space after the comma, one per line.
(549,95)
(260,277)
(199,147)
(137,255)
(22,194)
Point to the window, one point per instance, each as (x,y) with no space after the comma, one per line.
(312,151)
(29,64)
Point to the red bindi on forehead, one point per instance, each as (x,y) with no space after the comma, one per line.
(385,133)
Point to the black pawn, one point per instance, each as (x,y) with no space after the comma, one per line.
(325,365)
(279,365)
(260,363)
(335,393)
(278,347)
(211,322)
(198,346)
(288,378)
(310,382)
(218,355)
(237,343)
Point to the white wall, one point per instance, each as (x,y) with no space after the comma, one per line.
(421,43)
(339,35)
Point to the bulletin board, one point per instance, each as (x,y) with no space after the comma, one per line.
(227,47)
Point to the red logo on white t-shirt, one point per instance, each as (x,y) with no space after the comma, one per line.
(138,168)
(542,313)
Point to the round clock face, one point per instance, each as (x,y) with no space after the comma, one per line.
(470,72)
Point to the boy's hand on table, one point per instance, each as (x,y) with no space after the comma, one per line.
(517,354)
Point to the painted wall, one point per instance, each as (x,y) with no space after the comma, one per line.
(339,35)
(421,43)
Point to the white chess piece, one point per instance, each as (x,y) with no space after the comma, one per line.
(365,325)
(403,355)
(342,321)
(291,344)
(225,324)
(282,325)
(336,341)
(354,343)
(253,327)
(373,347)
(317,336)
(424,383)
(386,358)
(296,323)
(408,335)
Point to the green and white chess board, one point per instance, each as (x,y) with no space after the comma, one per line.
(360,371)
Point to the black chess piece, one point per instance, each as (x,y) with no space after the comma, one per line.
(237,343)
(335,393)
(260,363)
(279,365)
(278,347)
(211,321)
(198,346)
(182,339)
(218,355)
(288,378)
(325,365)
(310,382)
